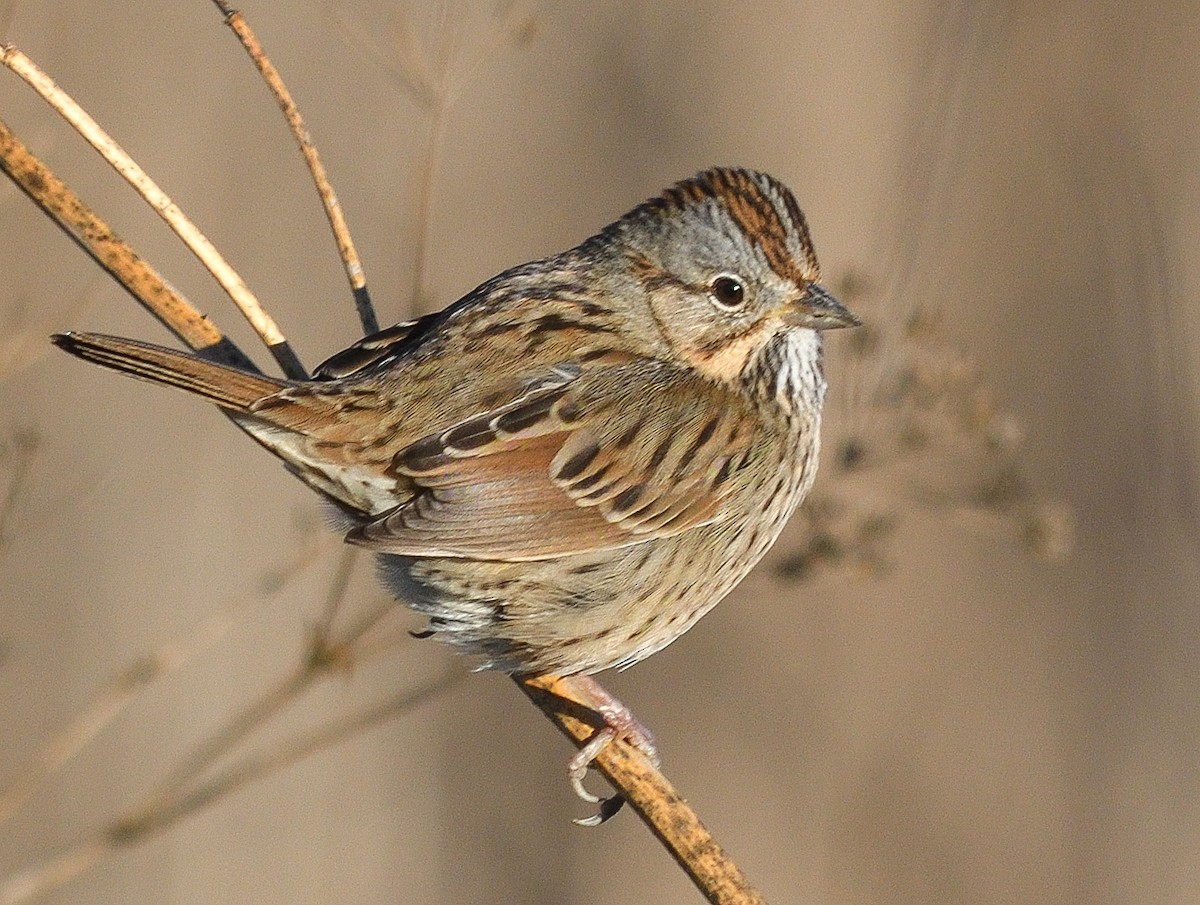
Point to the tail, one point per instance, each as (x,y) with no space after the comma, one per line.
(227,387)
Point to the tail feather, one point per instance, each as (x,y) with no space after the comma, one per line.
(227,387)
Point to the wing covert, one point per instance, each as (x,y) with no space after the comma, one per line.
(577,463)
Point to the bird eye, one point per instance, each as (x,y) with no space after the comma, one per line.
(727,291)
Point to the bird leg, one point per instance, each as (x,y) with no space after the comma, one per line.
(619,722)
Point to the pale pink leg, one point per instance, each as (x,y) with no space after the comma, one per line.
(619,722)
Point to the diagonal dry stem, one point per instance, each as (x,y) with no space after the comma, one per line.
(428,86)
(635,779)
(112,253)
(436,86)
(333,208)
(185,790)
(87,127)
(323,656)
(23,450)
(640,783)
(131,683)
(336,595)
(184,800)
(41,880)
(161,811)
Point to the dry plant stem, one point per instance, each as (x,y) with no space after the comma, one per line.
(322,657)
(668,816)
(650,794)
(26,449)
(243,723)
(405,64)
(371,640)
(428,183)
(126,688)
(431,90)
(183,792)
(128,169)
(29,885)
(54,754)
(167,810)
(333,209)
(162,811)
(112,253)
(336,595)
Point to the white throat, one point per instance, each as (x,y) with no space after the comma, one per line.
(794,359)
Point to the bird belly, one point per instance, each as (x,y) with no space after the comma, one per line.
(593,611)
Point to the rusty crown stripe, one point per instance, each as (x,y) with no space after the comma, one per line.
(753,201)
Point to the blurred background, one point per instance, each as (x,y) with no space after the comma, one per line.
(935,689)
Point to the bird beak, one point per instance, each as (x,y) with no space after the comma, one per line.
(818,310)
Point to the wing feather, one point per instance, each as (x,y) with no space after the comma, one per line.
(571,466)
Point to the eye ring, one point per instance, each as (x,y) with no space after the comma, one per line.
(728,291)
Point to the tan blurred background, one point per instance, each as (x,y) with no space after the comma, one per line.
(973,726)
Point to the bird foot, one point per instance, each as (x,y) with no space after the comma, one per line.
(619,722)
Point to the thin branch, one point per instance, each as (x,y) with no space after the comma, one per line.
(406,65)
(162,811)
(428,88)
(436,87)
(336,595)
(24,448)
(659,805)
(112,253)
(128,685)
(371,641)
(167,810)
(352,638)
(245,721)
(333,208)
(31,884)
(324,656)
(181,793)
(513,26)
(87,127)
(55,753)
(426,187)
(663,810)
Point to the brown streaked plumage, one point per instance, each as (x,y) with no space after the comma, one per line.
(570,465)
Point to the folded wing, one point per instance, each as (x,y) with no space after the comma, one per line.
(571,466)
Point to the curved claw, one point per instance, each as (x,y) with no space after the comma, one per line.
(619,722)
(607,810)
(580,789)
(577,766)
